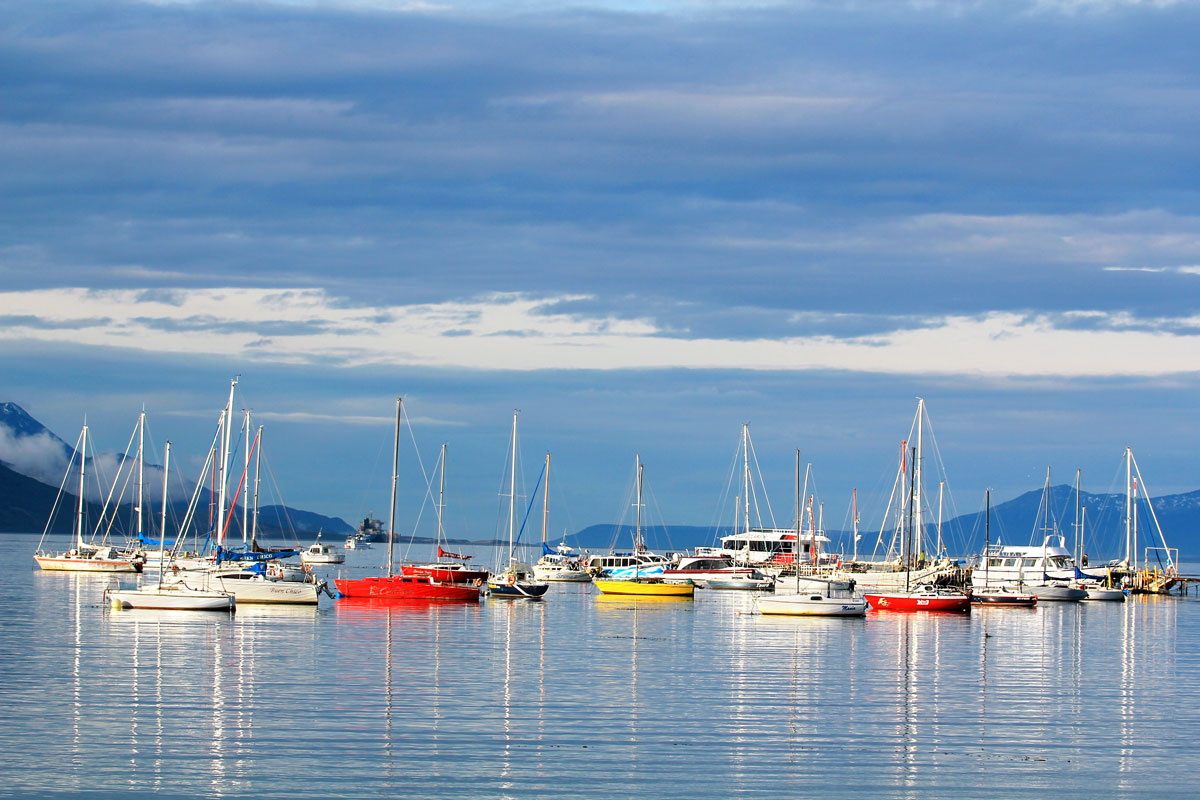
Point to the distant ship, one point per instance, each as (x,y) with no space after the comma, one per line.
(371,530)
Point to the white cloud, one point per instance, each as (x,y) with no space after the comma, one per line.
(520,332)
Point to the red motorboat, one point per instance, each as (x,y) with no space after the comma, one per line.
(921,598)
(407,587)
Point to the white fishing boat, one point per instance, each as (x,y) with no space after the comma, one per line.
(812,605)
(84,556)
(179,596)
(561,565)
(320,553)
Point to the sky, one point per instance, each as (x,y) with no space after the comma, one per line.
(643,224)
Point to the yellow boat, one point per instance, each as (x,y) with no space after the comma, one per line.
(645,587)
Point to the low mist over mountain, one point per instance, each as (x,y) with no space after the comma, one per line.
(32,463)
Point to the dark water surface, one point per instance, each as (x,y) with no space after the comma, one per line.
(587,696)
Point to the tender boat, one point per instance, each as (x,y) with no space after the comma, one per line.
(1096,591)
(921,598)
(318,553)
(812,605)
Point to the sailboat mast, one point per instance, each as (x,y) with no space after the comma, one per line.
(637,539)
(141,473)
(226,423)
(245,476)
(918,487)
(441,500)
(166,471)
(82,469)
(796,551)
(746,474)
(908,545)
(512,491)
(1128,507)
(1078,524)
(987,533)
(257,476)
(856,523)
(395,467)
(546,501)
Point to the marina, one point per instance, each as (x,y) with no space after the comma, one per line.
(481,697)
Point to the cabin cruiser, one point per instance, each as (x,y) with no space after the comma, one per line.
(627,565)
(1048,570)
(561,564)
(318,553)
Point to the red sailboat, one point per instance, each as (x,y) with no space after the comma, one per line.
(408,587)
(923,597)
(443,570)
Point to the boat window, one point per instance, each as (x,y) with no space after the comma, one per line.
(994,562)
(1010,562)
(1030,562)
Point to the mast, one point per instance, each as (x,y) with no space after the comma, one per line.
(796,546)
(395,467)
(246,475)
(512,495)
(908,545)
(441,500)
(257,475)
(1128,507)
(166,471)
(746,473)
(222,476)
(546,501)
(856,523)
(1135,531)
(82,469)
(637,539)
(987,534)
(918,487)
(141,473)
(1078,523)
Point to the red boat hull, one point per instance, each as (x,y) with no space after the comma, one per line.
(407,587)
(446,573)
(918,601)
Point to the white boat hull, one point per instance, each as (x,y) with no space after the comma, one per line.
(268,591)
(171,598)
(562,575)
(66,563)
(1050,592)
(806,605)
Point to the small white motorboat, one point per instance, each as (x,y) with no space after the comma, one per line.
(1057,591)
(813,605)
(1097,591)
(756,581)
(318,553)
(170,596)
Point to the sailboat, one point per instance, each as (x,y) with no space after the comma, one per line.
(84,556)
(518,578)
(417,587)
(445,569)
(916,597)
(809,603)
(638,585)
(562,563)
(999,594)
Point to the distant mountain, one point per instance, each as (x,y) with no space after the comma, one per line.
(32,462)
(658,538)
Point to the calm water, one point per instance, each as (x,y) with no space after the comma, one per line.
(587,696)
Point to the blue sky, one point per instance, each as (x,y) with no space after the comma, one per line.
(641,223)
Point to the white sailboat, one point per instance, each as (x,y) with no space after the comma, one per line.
(84,556)
(518,578)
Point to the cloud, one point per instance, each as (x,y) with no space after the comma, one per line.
(519,332)
(39,456)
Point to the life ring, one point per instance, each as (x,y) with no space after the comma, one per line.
(478,582)
(511,579)
(308,567)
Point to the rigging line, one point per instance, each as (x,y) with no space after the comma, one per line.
(281,514)
(662,519)
(716,521)
(98,467)
(62,486)
(1149,505)
(766,497)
